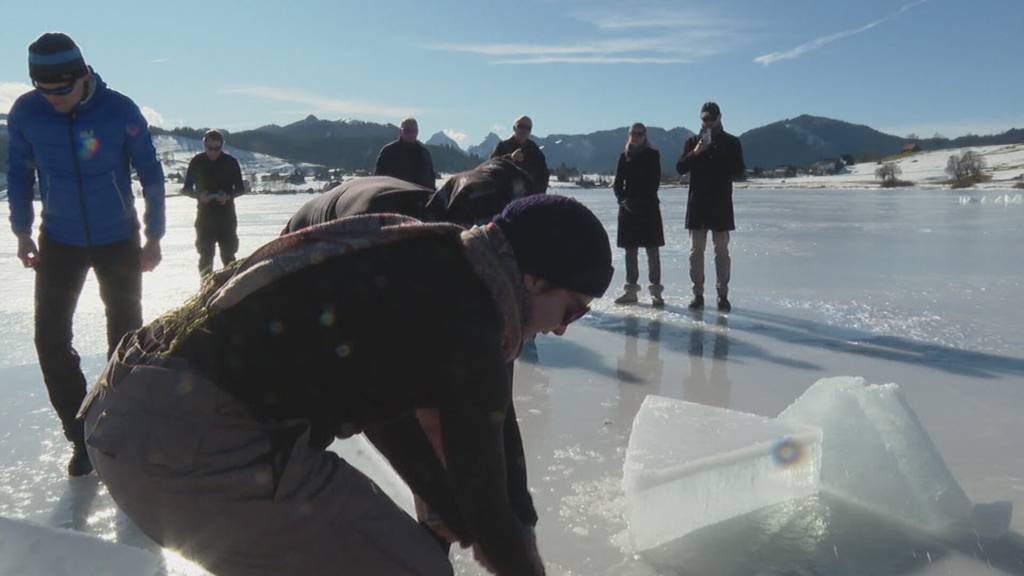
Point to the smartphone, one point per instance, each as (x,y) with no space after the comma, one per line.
(706,137)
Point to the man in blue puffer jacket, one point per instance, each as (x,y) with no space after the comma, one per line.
(80,138)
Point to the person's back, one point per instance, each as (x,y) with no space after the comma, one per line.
(368,195)
(477,195)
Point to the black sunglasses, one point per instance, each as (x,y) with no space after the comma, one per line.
(58,91)
(526,127)
(213,148)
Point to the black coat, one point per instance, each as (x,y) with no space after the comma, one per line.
(409,161)
(212,176)
(636,188)
(370,195)
(533,162)
(709,205)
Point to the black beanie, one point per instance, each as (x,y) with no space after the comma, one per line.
(560,240)
(53,58)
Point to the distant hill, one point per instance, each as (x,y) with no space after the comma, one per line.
(804,140)
(442,139)
(599,151)
(346,144)
(483,150)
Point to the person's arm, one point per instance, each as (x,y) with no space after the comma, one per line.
(21,178)
(189,188)
(404,444)
(151,173)
(515,462)
(383,165)
(545,174)
(619,185)
(499,150)
(237,186)
(738,167)
(653,174)
(428,170)
(686,160)
(473,412)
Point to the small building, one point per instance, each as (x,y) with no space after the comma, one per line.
(910,147)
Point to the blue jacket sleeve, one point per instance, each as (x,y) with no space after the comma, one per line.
(21,176)
(151,173)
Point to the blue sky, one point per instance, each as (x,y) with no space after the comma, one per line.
(902,66)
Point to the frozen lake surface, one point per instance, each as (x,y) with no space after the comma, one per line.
(910,286)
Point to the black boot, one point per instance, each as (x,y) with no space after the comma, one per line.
(79,465)
(723,304)
(697,303)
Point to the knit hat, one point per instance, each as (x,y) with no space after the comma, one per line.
(560,240)
(54,57)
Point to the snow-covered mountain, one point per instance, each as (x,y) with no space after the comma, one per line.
(442,139)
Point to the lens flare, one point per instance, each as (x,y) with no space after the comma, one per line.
(787,452)
(89,145)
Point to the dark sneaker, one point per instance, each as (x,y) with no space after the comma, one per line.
(723,304)
(697,303)
(79,465)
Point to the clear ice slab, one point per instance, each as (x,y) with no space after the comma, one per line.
(689,466)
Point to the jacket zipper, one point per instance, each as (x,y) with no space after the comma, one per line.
(78,176)
(117,190)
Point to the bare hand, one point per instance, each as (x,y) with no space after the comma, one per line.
(518,156)
(222,198)
(27,251)
(698,148)
(150,255)
(204,198)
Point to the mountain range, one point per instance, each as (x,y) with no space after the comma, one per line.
(354,144)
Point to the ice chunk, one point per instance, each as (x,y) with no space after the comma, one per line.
(28,549)
(876,454)
(689,465)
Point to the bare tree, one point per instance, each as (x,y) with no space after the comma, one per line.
(973,164)
(954,168)
(888,173)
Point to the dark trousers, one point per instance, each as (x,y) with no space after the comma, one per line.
(60,276)
(213,231)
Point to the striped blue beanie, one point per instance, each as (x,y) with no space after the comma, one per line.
(53,58)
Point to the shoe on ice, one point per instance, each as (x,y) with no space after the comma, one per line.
(723,304)
(656,300)
(697,303)
(79,464)
(629,292)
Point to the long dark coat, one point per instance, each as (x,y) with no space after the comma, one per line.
(636,188)
(709,205)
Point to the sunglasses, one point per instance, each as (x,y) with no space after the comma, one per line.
(410,130)
(637,133)
(708,118)
(213,148)
(525,127)
(58,91)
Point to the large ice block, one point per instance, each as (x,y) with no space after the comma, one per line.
(28,549)
(689,465)
(876,454)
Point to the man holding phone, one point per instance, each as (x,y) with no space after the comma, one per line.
(712,159)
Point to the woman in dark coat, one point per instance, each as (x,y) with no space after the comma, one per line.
(636,189)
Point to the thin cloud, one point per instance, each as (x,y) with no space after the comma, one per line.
(676,38)
(319,104)
(802,49)
(159,60)
(9,92)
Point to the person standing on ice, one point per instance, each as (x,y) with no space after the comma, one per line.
(407,158)
(526,153)
(637,178)
(80,138)
(210,426)
(712,159)
(214,178)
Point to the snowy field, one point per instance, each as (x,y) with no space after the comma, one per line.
(1004,163)
(910,286)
